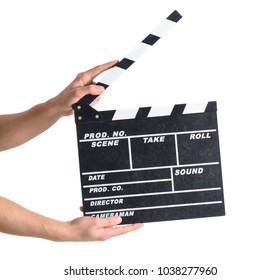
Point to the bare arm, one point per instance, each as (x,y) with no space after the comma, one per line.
(16,129)
(17,220)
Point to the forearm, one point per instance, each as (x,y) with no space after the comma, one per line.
(17,220)
(16,129)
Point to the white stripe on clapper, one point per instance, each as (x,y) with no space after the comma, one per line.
(160,111)
(125,114)
(195,108)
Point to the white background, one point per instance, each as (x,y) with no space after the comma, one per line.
(224,51)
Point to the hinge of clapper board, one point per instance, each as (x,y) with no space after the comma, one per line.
(83,111)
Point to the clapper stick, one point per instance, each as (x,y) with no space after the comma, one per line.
(131,57)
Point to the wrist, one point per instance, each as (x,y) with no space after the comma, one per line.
(57,231)
(53,109)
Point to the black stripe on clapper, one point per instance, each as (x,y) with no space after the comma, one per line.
(151,39)
(175,16)
(125,63)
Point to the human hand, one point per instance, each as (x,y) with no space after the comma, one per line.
(82,85)
(96,229)
(17,220)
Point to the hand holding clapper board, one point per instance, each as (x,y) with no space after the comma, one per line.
(149,164)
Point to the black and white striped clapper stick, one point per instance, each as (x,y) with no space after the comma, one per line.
(134,54)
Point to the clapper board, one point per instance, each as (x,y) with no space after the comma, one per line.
(152,163)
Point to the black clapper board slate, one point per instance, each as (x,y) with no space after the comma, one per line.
(150,164)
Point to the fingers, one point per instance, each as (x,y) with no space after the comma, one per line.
(108,222)
(86,77)
(100,68)
(96,229)
(110,230)
(83,84)
(90,89)
(124,229)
